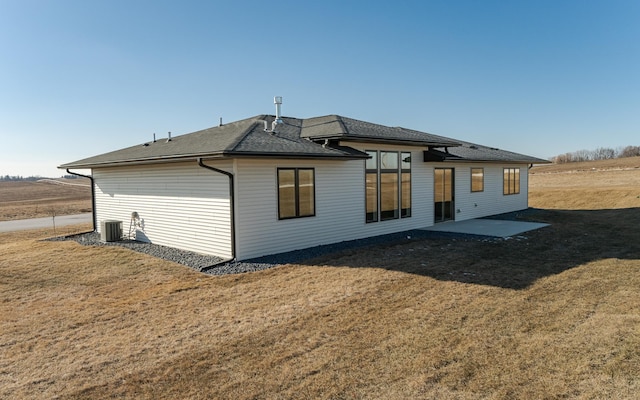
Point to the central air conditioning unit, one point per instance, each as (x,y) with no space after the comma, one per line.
(110,231)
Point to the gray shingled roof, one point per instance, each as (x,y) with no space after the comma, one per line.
(207,141)
(287,141)
(294,138)
(348,129)
(241,138)
(479,153)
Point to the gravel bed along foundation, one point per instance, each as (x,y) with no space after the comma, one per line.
(216,266)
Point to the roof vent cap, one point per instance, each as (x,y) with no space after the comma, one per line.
(277,100)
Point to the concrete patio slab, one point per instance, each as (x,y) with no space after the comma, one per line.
(486,227)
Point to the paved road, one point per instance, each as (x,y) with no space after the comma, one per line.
(47,222)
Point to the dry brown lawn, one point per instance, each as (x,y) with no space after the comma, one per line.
(26,199)
(586,185)
(553,314)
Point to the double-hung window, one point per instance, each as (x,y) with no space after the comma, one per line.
(296,192)
(388,185)
(511,181)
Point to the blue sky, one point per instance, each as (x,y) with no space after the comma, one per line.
(80,78)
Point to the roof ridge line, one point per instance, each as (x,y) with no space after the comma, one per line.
(342,125)
(244,134)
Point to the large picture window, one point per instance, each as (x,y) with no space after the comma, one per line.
(477,179)
(511,181)
(389,196)
(405,170)
(371,182)
(388,185)
(296,192)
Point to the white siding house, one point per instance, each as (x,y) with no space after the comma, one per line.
(179,205)
(491,200)
(340,208)
(218,191)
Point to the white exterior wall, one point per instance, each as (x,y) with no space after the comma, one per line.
(185,206)
(340,201)
(180,205)
(340,205)
(491,200)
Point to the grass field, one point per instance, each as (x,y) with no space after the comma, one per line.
(552,314)
(586,185)
(30,199)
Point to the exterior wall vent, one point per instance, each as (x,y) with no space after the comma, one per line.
(110,231)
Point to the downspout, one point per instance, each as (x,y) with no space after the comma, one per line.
(93,197)
(231,210)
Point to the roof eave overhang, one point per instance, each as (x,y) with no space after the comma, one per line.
(484,161)
(299,156)
(141,161)
(367,139)
(190,157)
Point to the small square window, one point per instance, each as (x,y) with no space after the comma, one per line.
(296,193)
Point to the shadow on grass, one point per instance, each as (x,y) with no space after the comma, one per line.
(574,238)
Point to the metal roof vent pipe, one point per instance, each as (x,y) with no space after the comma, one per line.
(278,102)
(169,138)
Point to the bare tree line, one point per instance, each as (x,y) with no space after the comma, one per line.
(17,178)
(601,153)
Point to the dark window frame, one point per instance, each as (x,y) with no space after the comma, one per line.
(510,181)
(296,191)
(394,213)
(405,155)
(481,183)
(373,215)
(400,212)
